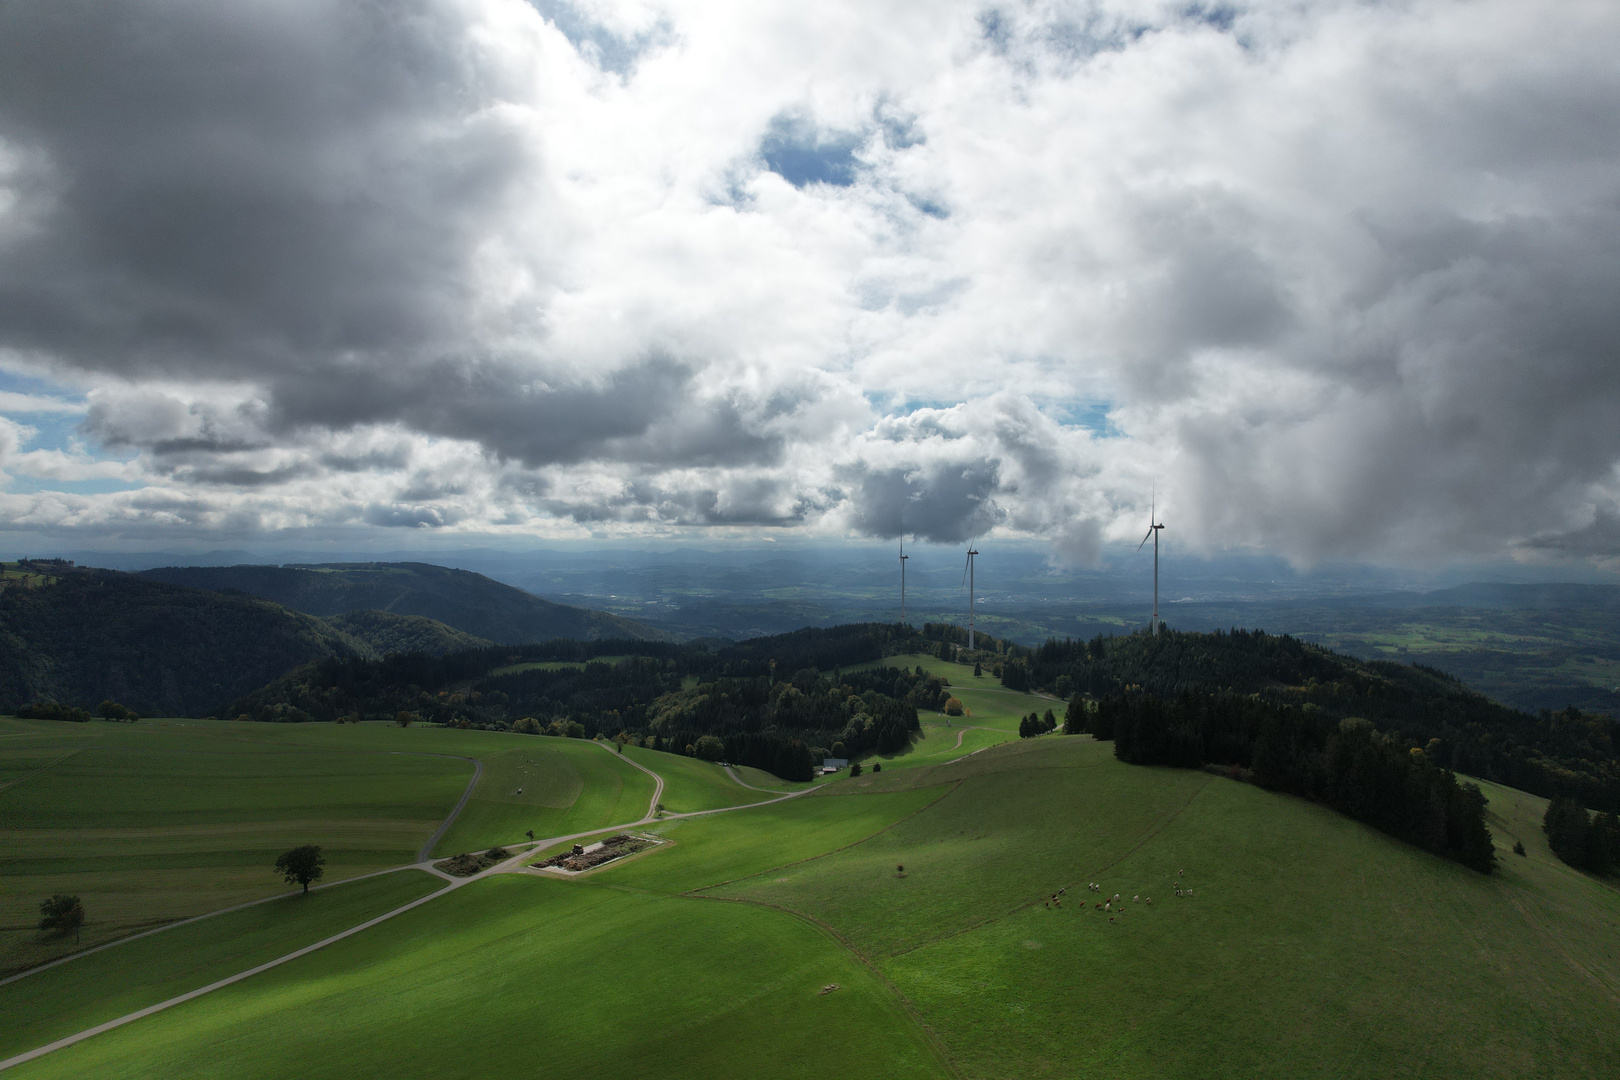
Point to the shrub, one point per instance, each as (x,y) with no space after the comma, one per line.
(953,707)
(855,768)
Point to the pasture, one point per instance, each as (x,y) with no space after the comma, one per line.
(162,820)
(518,975)
(56,1002)
(693,784)
(1309,944)
(552,786)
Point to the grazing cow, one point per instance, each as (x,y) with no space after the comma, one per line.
(1108,906)
(1137,899)
(1150,901)
(1099,907)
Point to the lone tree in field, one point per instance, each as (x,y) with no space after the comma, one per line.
(302,865)
(62,913)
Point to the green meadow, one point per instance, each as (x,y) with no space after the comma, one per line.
(691,784)
(102,986)
(551,786)
(161,820)
(1308,944)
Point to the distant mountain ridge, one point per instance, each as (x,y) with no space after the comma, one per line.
(468,602)
(159,649)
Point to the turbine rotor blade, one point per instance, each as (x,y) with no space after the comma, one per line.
(1145,539)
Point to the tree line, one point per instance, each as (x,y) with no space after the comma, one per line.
(1372,776)
(1568,752)
(1585,841)
(746,700)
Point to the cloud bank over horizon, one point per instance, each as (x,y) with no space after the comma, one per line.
(1335,279)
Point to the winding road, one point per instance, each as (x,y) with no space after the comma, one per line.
(424,862)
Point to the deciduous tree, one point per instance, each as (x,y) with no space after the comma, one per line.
(302,865)
(62,913)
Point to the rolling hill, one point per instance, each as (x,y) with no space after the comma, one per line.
(159,649)
(469,602)
(931,920)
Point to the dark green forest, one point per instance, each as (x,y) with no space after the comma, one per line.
(160,649)
(1568,752)
(766,701)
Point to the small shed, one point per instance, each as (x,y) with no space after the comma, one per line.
(833,764)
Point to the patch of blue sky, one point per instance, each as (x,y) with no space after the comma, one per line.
(597,43)
(802,154)
(1089,413)
(15,385)
(33,485)
(889,404)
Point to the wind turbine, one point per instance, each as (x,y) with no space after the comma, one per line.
(967,573)
(903,558)
(1153,531)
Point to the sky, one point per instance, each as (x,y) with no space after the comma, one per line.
(1320,280)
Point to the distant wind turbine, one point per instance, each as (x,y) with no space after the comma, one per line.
(903,558)
(1153,532)
(967,573)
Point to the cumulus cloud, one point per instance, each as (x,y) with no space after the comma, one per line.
(1337,279)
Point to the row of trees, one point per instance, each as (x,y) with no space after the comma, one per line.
(50,710)
(1372,776)
(1585,841)
(1035,724)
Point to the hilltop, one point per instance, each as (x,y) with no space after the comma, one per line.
(90,635)
(79,635)
(469,602)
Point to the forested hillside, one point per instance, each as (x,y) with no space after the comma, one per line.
(469,602)
(765,702)
(384,632)
(1550,753)
(158,649)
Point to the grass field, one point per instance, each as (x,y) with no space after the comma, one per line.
(522,976)
(567,786)
(161,820)
(693,784)
(1311,945)
(46,1006)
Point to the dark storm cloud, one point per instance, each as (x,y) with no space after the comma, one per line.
(243,188)
(512,414)
(944,501)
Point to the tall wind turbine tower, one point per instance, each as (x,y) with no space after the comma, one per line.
(903,558)
(967,572)
(1153,532)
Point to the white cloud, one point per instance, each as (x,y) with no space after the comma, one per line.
(1339,275)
